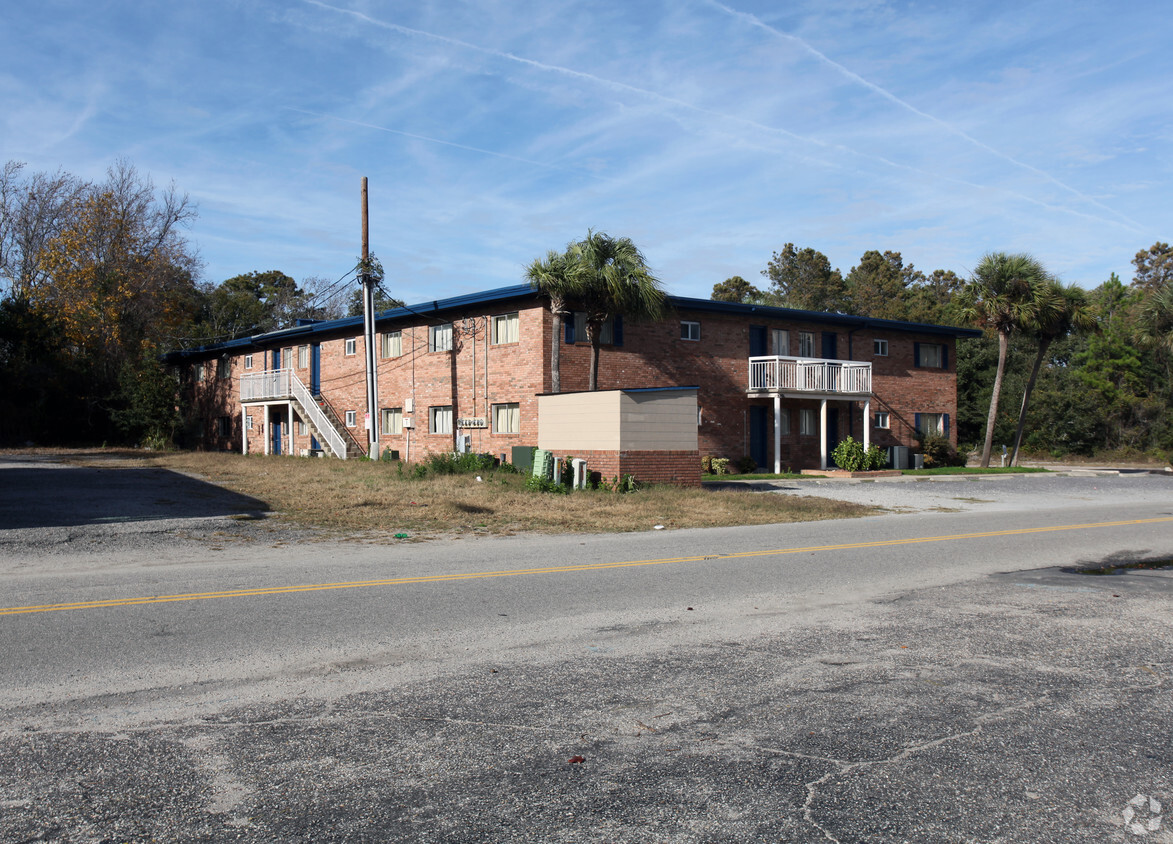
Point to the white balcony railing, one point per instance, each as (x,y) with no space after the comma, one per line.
(810,375)
(283,384)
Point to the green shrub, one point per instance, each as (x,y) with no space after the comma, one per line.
(537,483)
(621,485)
(938,452)
(720,465)
(850,456)
(460,464)
(707,465)
(746,465)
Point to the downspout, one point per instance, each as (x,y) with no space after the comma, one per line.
(851,405)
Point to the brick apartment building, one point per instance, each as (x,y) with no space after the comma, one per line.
(778,385)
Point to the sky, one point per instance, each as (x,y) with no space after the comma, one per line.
(710,132)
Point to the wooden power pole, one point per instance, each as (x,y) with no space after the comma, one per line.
(368,293)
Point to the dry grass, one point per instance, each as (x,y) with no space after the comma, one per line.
(363,496)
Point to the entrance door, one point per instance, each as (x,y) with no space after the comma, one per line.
(316,370)
(759,436)
(832,433)
(276,426)
(757,341)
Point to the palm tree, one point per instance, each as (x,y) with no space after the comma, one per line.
(1001,296)
(1156,319)
(1061,311)
(613,281)
(554,277)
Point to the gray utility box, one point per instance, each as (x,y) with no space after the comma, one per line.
(901,457)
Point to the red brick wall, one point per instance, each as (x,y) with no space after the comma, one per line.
(652,355)
(682,468)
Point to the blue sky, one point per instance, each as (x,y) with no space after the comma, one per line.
(711,133)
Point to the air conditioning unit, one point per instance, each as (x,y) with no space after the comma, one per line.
(408,405)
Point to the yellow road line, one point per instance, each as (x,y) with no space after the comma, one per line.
(439,578)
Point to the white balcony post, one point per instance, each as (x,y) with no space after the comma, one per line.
(243,430)
(867,424)
(266,433)
(777,434)
(289,412)
(823,434)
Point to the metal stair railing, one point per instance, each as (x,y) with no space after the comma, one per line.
(317,416)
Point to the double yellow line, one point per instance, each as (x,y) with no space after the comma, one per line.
(440,578)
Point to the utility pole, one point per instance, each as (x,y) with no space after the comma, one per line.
(368,288)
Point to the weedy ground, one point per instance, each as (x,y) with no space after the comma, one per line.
(360,495)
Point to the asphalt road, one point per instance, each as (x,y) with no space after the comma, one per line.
(931,675)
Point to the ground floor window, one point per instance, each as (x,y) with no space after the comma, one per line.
(302,430)
(807,424)
(224,426)
(931,424)
(881,420)
(440,419)
(392,420)
(784,420)
(248,422)
(507,418)
(351,418)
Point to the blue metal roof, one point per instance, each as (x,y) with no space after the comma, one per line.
(436,307)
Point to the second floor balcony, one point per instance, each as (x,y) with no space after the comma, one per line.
(815,376)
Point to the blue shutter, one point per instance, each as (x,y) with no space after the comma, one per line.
(916,354)
(945,424)
(617,331)
(568,324)
(945,363)
(916,422)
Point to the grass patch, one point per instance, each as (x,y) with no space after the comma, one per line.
(976,470)
(357,495)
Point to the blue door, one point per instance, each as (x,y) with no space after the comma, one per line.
(276,358)
(757,341)
(316,369)
(276,436)
(759,433)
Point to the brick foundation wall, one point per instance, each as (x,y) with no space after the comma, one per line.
(680,468)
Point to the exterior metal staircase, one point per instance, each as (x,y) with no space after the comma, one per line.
(319,416)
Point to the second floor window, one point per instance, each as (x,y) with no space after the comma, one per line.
(930,355)
(880,348)
(351,345)
(781,341)
(806,344)
(392,344)
(690,330)
(440,337)
(505,329)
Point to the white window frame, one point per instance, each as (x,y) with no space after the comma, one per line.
(506,328)
(303,357)
(223,368)
(351,347)
(201,372)
(248,361)
(882,420)
(510,414)
(440,419)
(248,421)
(392,421)
(690,330)
(879,347)
(808,422)
(440,337)
(806,344)
(302,429)
(392,346)
(784,421)
(352,419)
(780,339)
